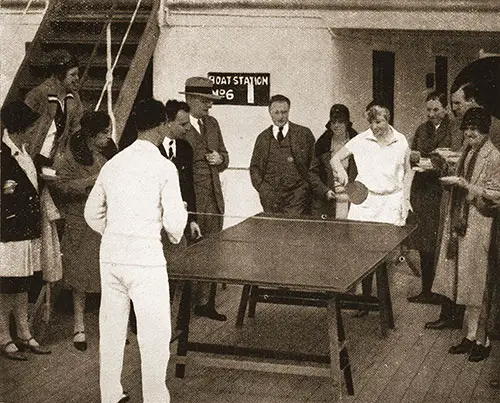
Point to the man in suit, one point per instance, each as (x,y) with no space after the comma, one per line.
(280,162)
(210,158)
(180,153)
(426,191)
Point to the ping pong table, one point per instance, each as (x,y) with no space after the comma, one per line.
(307,259)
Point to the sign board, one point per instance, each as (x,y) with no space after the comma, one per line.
(242,88)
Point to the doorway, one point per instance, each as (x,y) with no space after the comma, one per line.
(383,68)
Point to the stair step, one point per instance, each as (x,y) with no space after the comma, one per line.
(69,5)
(97,62)
(100,17)
(91,84)
(78,40)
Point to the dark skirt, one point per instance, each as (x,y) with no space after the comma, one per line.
(14,285)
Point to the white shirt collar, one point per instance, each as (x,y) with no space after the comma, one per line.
(14,149)
(286,127)
(371,136)
(169,143)
(194,123)
(146,145)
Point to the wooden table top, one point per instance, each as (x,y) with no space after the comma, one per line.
(308,254)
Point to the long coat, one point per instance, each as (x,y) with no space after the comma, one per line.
(209,199)
(20,211)
(463,278)
(426,190)
(80,244)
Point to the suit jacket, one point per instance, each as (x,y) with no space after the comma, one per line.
(302,147)
(427,138)
(20,211)
(183,161)
(215,142)
(37,99)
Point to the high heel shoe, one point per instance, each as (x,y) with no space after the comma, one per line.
(31,345)
(80,345)
(12,355)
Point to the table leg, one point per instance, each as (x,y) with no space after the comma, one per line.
(254,295)
(335,349)
(184,317)
(345,364)
(175,301)
(385,303)
(243,305)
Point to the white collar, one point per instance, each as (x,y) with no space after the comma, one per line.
(146,145)
(195,122)
(393,139)
(167,141)
(14,149)
(286,127)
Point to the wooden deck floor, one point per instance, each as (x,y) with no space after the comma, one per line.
(410,366)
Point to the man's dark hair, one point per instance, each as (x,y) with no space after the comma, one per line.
(279,98)
(172,107)
(470,91)
(437,96)
(148,113)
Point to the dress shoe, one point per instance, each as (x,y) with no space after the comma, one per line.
(31,345)
(479,352)
(80,342)
(495,384)
(464,347)
(444,323)
(425,298)
(125,398)
(12,355)
(209,312)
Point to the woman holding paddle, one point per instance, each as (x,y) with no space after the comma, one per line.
(382,157)
(381,191)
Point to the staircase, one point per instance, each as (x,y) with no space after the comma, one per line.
(79,27)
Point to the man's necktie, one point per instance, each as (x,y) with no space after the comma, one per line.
(200,124)
(280,135)
(170,152)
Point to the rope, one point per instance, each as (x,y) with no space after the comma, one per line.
(96,45)
(110,72)
(109,80)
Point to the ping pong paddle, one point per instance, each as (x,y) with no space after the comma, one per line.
(357,192)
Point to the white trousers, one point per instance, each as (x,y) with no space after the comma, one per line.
(147,287)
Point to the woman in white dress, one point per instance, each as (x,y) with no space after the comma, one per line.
(382,157)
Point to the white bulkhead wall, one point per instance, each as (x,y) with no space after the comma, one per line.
(316,58)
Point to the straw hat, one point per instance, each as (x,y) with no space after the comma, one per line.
(200,86)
